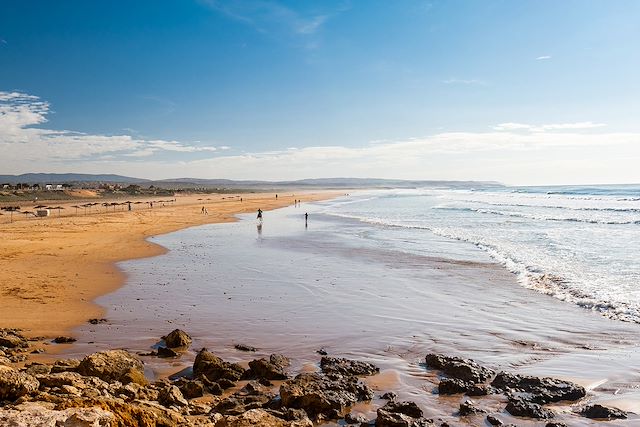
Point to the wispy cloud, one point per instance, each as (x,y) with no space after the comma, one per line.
(546,127)
(270,16)
(22,141)
(542,58)
(456,81)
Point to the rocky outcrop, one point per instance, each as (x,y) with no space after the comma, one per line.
(539,390)
(272,369)
(524,408)
(34,414)
(15,384)
(603,412)
(323,396)
(334,365)
(214,368)
(462,369)
(259,417)
(177,339)
(113,365)
(401,414)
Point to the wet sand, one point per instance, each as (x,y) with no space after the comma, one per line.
(53,268)
(286,288)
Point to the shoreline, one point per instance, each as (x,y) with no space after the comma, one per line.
(55,268)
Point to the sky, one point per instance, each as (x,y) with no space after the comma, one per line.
(521,92)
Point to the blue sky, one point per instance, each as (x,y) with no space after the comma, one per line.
(524,92)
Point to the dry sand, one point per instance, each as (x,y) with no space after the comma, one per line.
(52,269)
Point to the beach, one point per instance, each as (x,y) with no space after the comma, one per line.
(53,268)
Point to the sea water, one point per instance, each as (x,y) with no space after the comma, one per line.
(578,244)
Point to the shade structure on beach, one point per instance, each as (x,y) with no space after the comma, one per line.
(58,208)
(77,207)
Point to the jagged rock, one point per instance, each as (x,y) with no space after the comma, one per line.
(389,396)
(97,321)
(34,414)
(14,384)
(65,365)
(191,388)
(177,338)
(171,396)
(251,396)
(523,408)
(113,365)
(541,390)
(469,407)
(11,338)
(244,347)
(61,378)
(401,414)
(602,412)
(37,369)
(456,367)
(166,352)
(64,340)
(453,386)
(272,369)
(323,396)
(494,421)
(334,365)
(352,418)
(554,424)
(259,417)
(215,369)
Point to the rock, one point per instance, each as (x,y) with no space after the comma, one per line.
(401,414)
(64,340)
(259,417)
(272,369)
(453,386)
(523,408)
(215,369)
(113,365)
(322,352)
(97,321)
(191,388)
(542,390)
(334,365)
(469,407)
(243,347)
(34,414)
(177,338)
(389,396)
(61,378)
(166,352)
(37,369)
(456,367)
(251,396)
(171,396)
(553,424)
(11,338)
(352,418)
(322,396)
(65,365)
(602,412)
(494,421)
(15,384)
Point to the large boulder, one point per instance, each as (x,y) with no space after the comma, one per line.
(251,396)
(272,369)
(113,365)
(15,384)
(177,338)
(456,367)
(214,368)
(172,396)
(520,407)
(323,396)
(335,365)
(539,390)
(260,417)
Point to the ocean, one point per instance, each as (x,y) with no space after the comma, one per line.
(537,281)
(578,244)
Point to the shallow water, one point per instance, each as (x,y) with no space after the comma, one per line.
(354,289)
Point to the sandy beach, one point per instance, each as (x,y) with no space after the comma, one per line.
(53,268)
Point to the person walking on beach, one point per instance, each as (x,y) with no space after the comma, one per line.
(260,214)
(306,218)
(202,211)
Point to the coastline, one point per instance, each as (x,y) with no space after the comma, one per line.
(54,268)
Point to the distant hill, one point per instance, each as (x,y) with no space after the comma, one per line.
(58,178)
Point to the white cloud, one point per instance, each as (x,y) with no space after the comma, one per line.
(546,127)
(21,141)
(542,58)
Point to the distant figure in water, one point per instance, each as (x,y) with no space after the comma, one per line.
(306,219)
(276,196)
(260,214)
